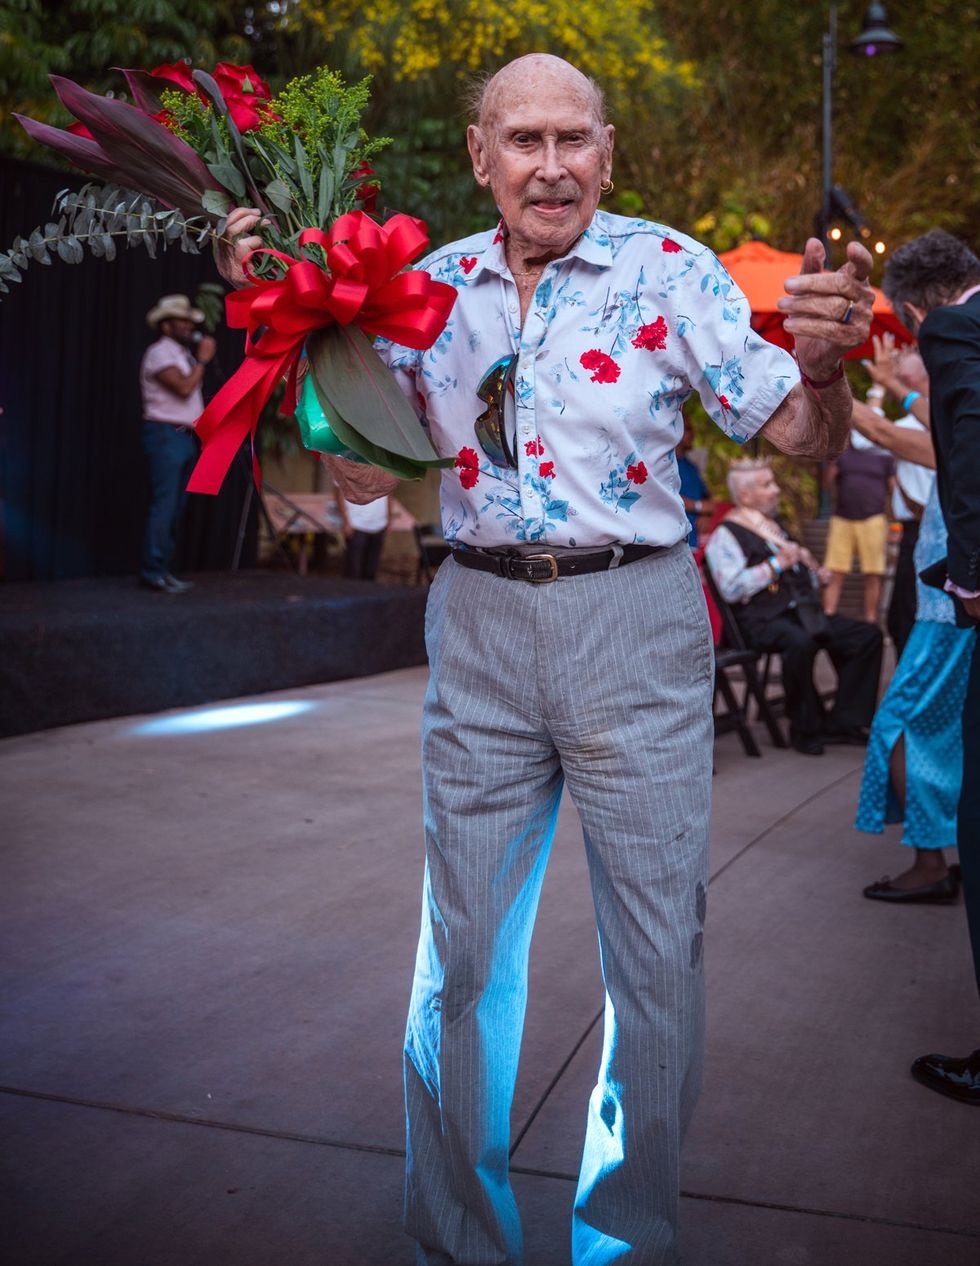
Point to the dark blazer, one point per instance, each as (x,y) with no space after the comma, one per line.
(949,341)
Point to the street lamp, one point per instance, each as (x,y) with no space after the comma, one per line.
(876,38)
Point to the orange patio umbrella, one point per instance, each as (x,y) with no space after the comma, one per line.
(759,272)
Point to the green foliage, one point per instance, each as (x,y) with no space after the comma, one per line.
(87,38)
(100,218)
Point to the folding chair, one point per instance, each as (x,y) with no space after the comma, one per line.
(733,651)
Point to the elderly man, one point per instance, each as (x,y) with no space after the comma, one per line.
(568,643)
(933,283)
(773,585)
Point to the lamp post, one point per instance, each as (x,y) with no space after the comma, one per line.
(875,38)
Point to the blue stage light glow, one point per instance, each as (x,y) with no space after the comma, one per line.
(226,718)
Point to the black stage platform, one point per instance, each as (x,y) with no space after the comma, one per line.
(80,650)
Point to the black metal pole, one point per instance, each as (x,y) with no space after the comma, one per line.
(829,66)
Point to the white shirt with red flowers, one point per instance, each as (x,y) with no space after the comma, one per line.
(620,331)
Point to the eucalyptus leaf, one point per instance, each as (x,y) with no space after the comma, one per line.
(110,246)
(227,174)
(217,202)
(278,193)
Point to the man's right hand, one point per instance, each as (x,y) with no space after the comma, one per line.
(236,243)
(206,349)
(359,482)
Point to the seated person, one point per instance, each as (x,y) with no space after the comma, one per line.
(773,586)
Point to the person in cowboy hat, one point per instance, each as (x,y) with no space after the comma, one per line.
(170,381)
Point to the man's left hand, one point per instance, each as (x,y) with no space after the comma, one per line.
(828,313)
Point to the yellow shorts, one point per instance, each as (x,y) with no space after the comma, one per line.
(866,537)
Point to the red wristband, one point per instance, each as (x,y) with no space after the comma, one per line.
(818,385)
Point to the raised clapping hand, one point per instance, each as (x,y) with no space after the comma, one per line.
(818,303)
(883,369)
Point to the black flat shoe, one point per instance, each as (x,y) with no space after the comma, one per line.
(942,892)
(957,1078)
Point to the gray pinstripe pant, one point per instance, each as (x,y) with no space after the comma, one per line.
(602,681)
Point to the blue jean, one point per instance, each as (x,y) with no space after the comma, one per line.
(171,452)
(602,683)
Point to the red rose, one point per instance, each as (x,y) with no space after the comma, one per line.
(79,129)
(468,465)
(467,265)
(367,191)
(652,337)
(637,474)
(240,81)
(606,369)
(547,470)
(534,448)
(248,113)
(670,247)
(723,401)
(179,73)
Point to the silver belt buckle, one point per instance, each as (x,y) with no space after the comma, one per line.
(541,558)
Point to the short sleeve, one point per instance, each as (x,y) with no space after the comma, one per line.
(162,355)
(740,378)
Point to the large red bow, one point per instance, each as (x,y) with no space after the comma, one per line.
(364,285)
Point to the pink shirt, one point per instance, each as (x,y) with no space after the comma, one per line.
(160,404)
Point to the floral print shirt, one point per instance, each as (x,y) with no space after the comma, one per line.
(620,331)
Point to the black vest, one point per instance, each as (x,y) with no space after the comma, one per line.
(783,595)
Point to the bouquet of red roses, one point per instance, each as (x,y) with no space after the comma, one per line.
(189,147)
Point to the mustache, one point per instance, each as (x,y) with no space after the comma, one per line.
(562,192)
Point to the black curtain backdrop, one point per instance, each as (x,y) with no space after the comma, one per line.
(72,479)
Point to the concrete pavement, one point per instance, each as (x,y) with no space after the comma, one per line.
(207,939)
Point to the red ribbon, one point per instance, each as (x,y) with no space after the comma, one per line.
(365,285)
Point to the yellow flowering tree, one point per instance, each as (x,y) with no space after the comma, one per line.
(423,54)
(442,42)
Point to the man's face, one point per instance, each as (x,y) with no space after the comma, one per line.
(178,328)
(544,155)
(762,493)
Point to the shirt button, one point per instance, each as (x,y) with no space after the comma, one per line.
(512,307)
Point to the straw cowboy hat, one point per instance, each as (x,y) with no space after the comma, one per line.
(174,308)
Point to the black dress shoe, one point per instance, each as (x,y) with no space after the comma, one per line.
(957,1078)
(942,892)
(807,744)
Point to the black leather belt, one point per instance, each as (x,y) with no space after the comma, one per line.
(539,569)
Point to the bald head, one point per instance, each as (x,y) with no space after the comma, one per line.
(526,78)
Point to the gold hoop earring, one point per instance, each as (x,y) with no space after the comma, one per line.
(607,186)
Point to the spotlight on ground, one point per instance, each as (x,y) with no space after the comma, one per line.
(209,719)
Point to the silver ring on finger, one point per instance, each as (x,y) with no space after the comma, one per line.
(846,318)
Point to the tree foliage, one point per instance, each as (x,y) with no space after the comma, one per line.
(86,39)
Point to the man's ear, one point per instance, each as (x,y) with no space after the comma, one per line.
(918,315)
(476,144)
(610,137)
